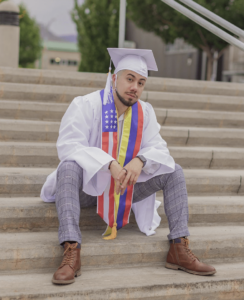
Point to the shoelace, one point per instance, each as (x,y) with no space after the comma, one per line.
(188,250)
(69,256)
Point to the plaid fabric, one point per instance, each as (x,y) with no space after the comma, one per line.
(70,198)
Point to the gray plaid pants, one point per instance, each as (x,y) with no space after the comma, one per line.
(70,198)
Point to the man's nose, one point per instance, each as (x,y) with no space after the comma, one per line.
(134,86)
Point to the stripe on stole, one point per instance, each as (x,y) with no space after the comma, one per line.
(111,203)
(139,113)
(139,130)
(100,206)
(114,152)
(106,204)
(126,199)
(135,141)
(128,204)
(122,156)
(111,211)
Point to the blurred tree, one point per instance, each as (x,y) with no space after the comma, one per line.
(156,16)
(97,25)
(30,39)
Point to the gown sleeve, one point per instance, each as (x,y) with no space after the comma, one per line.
(153,147)
(73,143)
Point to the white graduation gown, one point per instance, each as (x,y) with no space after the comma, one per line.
(80,140)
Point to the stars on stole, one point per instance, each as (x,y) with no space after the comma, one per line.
(109,119)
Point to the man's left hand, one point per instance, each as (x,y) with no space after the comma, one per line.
(134,168)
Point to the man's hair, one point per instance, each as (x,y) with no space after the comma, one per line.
(120,73)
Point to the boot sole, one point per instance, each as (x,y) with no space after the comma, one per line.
(78,273)
(176,267)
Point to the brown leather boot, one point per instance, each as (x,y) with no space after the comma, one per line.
(181,257)
(70,266)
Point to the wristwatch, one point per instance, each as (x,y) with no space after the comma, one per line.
(143,159)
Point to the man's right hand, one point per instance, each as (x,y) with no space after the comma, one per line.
(115,169)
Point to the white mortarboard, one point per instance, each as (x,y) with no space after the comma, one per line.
(137,60)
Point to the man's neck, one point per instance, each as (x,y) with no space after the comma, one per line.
(119,105)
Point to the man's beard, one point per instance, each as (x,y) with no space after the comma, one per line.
(126,103)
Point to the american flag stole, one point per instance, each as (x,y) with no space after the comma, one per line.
(113,208)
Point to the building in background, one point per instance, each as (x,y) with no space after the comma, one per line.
(58,53)
(181,60)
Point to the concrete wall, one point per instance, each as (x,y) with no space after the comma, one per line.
(170,63)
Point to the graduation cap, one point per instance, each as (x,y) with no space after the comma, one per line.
(137,60)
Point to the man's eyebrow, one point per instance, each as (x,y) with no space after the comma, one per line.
(135,76)
(132,75)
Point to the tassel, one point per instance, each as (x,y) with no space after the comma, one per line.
(113,234)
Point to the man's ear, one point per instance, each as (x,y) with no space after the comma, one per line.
(113,77)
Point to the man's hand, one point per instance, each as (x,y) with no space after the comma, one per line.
(115,170)
(133,168)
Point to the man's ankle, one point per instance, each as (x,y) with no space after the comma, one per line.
(72,242)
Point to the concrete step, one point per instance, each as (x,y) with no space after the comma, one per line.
(47,131)
(162,99)
(40,250)
(167,100)
(40,93)
(201,118)
(28,154)
(24,182)
(152,282)
(32,154)
(208,157)
(148,282)
(186,100)
(32,214)
(98,80)
(28,130)
(196,136)
(27,110)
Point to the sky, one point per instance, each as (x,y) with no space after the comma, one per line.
(53,13)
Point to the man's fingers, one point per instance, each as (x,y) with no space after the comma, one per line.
(132,179)
(135,179)
(121,175)
(117,186)
(124,184)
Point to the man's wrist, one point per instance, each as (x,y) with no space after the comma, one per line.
(142,159)
(112,162)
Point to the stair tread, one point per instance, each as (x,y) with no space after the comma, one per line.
(42,105)
(125,236)
(196,200)
(116,283)
(190,172)
(180,148)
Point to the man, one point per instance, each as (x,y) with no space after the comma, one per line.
(111,152)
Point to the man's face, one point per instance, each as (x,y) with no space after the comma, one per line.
(129,86)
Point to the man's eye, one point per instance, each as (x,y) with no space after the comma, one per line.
(130,79)
(141,83)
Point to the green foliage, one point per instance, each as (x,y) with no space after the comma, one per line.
(156,16)
(30,39)
(97,25)
(169,24)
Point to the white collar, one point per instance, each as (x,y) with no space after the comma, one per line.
(121,118)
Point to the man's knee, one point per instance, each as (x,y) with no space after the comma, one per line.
(70,165)
(178,168)
(178,172)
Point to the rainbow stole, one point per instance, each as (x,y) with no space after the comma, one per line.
(113,208)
